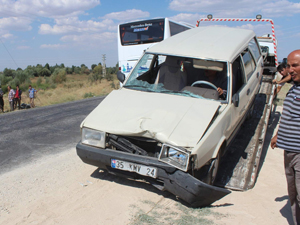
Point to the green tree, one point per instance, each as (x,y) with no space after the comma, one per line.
(69,70)
(47,66)
(59,75)
(8,72)
(77,70)
(93,66)
(32,70)
(39,69)
(98,70)
(84,69)
(44,72)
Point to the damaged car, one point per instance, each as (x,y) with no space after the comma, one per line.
(177,112)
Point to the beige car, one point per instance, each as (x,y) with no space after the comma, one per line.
(177,111)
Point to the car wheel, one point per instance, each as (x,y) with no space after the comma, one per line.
(213,170)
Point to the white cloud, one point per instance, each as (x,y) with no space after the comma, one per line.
(6,36)
(53,46)
(259,29)
(45,8)
(233,8)
(24,47)
(187,17)
(73,25)
(15,23)
(128,15)
(91,40)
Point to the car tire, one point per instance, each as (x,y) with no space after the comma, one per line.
(213,170)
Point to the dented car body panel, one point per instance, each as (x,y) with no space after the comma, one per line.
(177,112)
(166,118)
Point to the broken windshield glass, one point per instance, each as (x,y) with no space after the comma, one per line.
(159,88)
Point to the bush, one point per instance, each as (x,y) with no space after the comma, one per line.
(112,84)
(23,76)
(94,77)
(4,88)
(44,72)
(88,95)
(5,80)
(59,76)
(48,80)
(39,81)
(109,77)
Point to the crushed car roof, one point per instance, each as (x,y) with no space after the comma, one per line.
(211,42)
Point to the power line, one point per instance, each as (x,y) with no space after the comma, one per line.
(8,52)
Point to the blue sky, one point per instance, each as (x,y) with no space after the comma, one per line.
(80,31)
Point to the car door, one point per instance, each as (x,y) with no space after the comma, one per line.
(239,95)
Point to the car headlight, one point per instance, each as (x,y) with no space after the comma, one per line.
(93,137)
(175,156)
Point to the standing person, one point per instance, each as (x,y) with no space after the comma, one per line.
(288,135)
(11,94)
(1,100)
(17,99)
(286,77)
(32,92)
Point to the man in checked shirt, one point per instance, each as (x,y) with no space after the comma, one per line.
(11,95)
(288,135)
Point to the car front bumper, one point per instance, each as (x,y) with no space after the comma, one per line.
(177,182)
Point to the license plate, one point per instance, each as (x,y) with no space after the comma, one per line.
(133,167)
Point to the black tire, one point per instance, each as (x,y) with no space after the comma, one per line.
(213,170)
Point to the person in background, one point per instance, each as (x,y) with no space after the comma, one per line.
(218,80)
(11,94)
(1,100)
(288,135)
(32,93)
(17,98)
(286,77)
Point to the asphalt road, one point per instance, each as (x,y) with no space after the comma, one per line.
(26,135)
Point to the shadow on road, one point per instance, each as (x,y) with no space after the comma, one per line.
(286,211)
(273,122)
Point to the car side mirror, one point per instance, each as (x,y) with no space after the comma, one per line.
(236,100)
(120,76)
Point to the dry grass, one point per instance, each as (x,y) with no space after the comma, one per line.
(75,88)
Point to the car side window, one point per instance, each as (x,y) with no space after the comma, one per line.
(238,76)
(255,49)
(249,63)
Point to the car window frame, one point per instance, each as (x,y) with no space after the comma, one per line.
(243,74)
(245,51)
(252,50)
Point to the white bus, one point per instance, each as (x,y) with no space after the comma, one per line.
(135,37)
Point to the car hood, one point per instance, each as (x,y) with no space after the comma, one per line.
(168,118)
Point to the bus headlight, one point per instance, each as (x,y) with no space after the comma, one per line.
(175,156)
(93,137)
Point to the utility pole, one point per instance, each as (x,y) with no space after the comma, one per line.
(103,66)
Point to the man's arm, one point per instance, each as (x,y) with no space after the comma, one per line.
(285,79)
(274,141)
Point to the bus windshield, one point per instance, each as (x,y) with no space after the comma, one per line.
(142,32)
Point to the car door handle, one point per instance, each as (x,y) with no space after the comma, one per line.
(248,91)
(257,75)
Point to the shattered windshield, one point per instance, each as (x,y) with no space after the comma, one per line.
(179,76)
